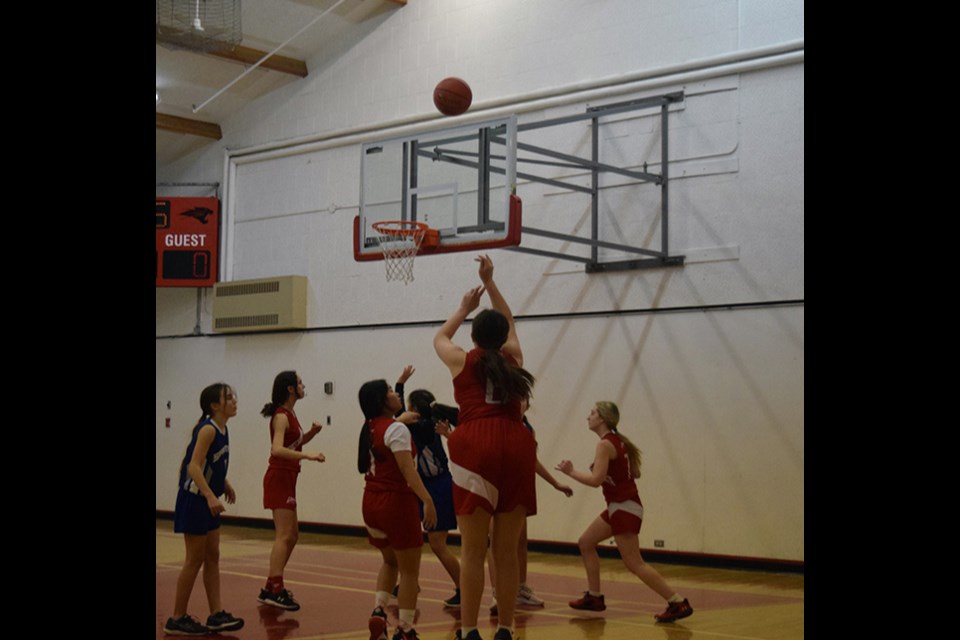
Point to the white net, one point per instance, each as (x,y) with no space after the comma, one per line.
(399,250)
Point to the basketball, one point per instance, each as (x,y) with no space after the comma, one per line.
(452,96)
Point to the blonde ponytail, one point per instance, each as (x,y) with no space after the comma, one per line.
(610,414)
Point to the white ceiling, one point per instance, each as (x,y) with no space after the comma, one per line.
(186,79)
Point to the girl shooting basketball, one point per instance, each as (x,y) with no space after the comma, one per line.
(493,456)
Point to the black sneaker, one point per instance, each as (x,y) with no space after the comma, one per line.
(473,635)
(283,599)
(185,626)
(453,601)
(503,634)
(223,621)
(410,634)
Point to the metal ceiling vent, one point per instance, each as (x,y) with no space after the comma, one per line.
(267,304)
(199,25)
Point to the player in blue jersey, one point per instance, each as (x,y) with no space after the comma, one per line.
(203,481)
(434,469)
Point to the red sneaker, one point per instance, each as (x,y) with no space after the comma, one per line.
(588,602)
(378,624)
(675,611)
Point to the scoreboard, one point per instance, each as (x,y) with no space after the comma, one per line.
(188,235)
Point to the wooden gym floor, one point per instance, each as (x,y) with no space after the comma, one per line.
(333,578)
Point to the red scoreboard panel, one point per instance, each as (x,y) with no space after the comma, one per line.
(188,234)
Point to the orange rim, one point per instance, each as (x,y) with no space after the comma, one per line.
(408,229)
(396,227)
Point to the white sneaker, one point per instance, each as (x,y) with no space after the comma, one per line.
(528,597)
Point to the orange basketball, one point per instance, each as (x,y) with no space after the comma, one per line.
(452,96)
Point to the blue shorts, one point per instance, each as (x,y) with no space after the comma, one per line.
(192,515)
(440,489)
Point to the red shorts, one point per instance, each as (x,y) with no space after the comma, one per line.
(280,488)
(624,517)
(494,465)
(392,519)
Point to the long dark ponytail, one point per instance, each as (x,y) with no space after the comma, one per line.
(490,330)
(281,391)
(373,398)
(215,393)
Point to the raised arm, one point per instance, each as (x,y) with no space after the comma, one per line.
(499,303)
(449,353)
(398,387)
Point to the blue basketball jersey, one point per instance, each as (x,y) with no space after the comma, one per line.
(215,464)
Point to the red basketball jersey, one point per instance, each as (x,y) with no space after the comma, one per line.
(475,395)
(292,439)
(387,436)
(619,485)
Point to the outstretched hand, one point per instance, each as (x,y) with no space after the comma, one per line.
(471,299)
(565,466)
(486,268)
(407,372)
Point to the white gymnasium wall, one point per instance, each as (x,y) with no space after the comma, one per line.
(712,391)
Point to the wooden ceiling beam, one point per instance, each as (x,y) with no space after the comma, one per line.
(186,125)
(250,56)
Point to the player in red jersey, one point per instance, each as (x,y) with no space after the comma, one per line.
(615,467)
(280,481)
(391,513)
(493,456)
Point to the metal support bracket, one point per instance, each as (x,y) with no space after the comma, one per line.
(482,161)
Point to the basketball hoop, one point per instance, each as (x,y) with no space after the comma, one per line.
(400,241)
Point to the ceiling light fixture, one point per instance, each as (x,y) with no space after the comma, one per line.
(196,18)
(197,108)
(199,25)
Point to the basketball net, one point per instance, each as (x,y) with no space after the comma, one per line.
(400,246)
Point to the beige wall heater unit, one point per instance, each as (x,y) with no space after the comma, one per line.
(268,304)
